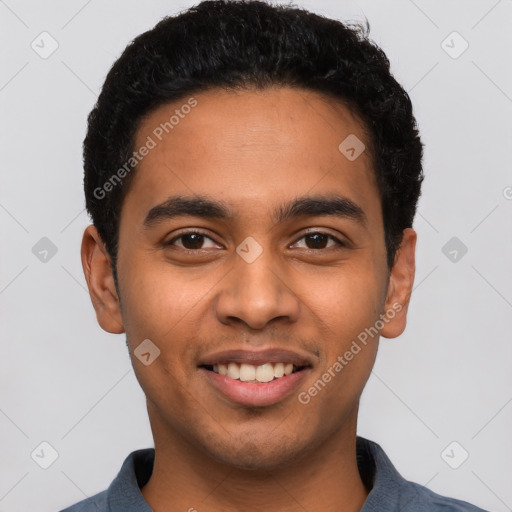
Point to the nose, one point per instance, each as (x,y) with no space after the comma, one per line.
(257,293)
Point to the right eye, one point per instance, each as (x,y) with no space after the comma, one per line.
(190,240)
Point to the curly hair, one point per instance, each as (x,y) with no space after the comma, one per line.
(233,44)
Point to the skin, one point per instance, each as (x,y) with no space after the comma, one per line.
(254,150)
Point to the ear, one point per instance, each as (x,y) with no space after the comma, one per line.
(100,281)
(400,284)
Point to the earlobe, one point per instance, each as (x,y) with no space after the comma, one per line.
(401,281)
(100,281)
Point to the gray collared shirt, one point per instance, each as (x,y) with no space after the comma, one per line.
(389,491)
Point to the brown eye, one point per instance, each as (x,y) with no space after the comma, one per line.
(192,241)
(319,240)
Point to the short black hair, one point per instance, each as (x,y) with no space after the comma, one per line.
(242,44)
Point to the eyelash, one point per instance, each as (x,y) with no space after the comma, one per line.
(195,232)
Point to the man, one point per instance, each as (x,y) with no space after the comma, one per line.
(252,173)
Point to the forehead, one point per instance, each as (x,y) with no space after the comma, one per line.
(250,147)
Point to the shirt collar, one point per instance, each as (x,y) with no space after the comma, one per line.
(379,476)
(124,492)
(377,472)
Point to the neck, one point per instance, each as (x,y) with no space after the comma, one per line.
(184,478)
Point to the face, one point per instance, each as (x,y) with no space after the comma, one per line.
(251,245)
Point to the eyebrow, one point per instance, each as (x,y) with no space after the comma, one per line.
(204,207)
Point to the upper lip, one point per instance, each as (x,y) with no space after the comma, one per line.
(257,357)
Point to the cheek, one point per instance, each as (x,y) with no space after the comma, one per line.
(349,301)
(158,299)
(354,340)
(164,304)
(347,309)
(161,308)
(349,353)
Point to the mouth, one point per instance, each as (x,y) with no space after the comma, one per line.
(253,374)
(255,378)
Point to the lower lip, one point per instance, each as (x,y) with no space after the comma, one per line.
(257,395)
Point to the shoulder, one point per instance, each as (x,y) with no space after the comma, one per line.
(391,492)
(123,494)
(417,498)
(96,503)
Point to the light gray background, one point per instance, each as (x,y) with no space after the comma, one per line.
(447,378)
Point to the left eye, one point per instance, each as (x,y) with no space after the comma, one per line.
(191,241)
(318,240)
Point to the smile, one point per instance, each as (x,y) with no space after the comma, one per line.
(263,373)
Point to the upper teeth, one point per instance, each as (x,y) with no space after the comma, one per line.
(248,372)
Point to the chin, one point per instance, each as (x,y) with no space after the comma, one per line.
(257,452)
